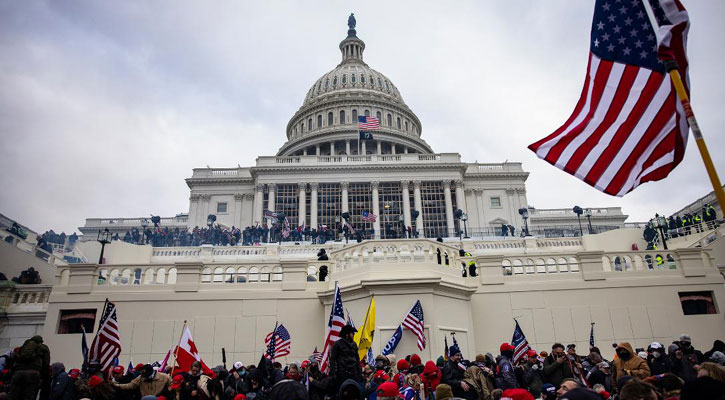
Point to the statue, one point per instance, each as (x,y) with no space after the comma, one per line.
(351,21)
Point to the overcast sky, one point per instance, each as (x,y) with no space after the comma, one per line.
(106,106)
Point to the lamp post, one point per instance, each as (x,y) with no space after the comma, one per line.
(579,211)
(588,213)
(662,224)
(524,212)
(104,238)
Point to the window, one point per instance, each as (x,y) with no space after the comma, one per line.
(406,125)
(399,123)
(354,116)
(287,201)
(352,78)
(390,120)
(391,207)
(344,79)
(329,118)
(360,199)
(319,121)
(694,303)
(434,209)
(379,116)
(221,207)
(380,83)
(334,81)
(495,202)
(327,82)
(309,124)
(342,117)
(362,79)
(367,113)
(329,204)
(73,321)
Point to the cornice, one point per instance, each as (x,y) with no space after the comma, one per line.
(357,168)
(215,181)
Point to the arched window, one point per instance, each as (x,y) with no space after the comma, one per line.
(342,117)
(406,125)
(354,116)
(242,275)
(352,78)
(387,87)
(161,276)
(171,280)
(302,127)
(329,118)
(399,123)
(254,274)
(264,275)
(372,82)
(379,116)
(309,124)
(206,275)
(367,113)
(334,81)
(319,122)
(218,275)
(229,275)
(390,120)
(327,82)
(362,79)
(380,83)
(277,271)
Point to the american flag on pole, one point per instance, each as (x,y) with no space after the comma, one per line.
(281,345)
(520,344)
(107,344)
(366,123)
(414,322)
(368,216)
(334,325)
(628,127)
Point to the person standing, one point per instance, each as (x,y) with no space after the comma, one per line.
(344,358)
(453,372)
(628,363)
(31,367)
(556,366)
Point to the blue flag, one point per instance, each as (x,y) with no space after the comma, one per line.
(370,358)
(130,366)
(394,340)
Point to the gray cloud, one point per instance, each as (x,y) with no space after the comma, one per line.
(107,106)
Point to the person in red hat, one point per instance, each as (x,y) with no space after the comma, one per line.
(516,394)
(388,391)
(532,373)
(102,390)
(431,378)
(416,366)
(507,373)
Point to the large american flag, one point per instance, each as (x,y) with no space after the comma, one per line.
(628,127)
(414,322)
(334,325)
(281,345)
(366,123)
(520,344)
(106,345)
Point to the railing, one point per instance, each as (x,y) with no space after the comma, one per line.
(134,222)
(351,159)
(566,263)
(395,252)
(482,168)
(18,242)
(568,211)
(544,231)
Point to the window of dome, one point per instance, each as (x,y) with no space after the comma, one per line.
(390,120)
(379,116)
(362,78)
(319,122)
(329,118)
(309,124)
(399,123)
(334,81)
(344,79)
(367,113)
(406,125)
(302,127)
(319,86)
(342,116)
(354,116)
(387,87)
(327,82)
(380,83)
(352,78)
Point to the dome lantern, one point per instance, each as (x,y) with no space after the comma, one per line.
(352,47)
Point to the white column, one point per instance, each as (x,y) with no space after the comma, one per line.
(347,147)
(317,149)
(271,189)
(247,209)
(474,212)
(513,211)
(460,197)
(238,197)
(406,203)
(332,148)
(313,205)
(304,151)
(449,207)
(303,206)
(392,148)
(380,147)
(343,187)
(364,150)
(205,200)
(193,209)
(418,206)
(405,150)
(376,207)
(258,199)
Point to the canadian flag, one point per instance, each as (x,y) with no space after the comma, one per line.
(186,353)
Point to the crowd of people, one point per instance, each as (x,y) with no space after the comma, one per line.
(671,372)
(677,226)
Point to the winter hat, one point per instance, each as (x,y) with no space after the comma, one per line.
(347,329)
(118,369)
(516,394)
(642,355)
(671,349)
(580,394)
(443,392)
(603,364)
(177,381)
(415,360)
(685,338)
(655,345)
(238,365)
(94,381)
(453,350)
(548,391)
(505,347)
(240,397)
(718,357)
(74,373)
(403,365)
(480,358)
(531,353)
(388,389)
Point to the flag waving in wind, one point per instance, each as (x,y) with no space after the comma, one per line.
(628,127)
(414,322)
(334,325)
(106,345)
(520,344)
(281,345)
(364,336)
(186,353)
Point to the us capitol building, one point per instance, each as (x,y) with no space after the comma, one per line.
(555,282)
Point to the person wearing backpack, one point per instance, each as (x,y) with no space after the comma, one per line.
(32,365)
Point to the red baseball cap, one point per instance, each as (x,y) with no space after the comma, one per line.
(74,373)
(117,369)
(388,389)
(94,381)
(177,381)
(138,367)
(531,353)
(305,364)
(505,346)
(403,365)
(381,375)
(516,394)
(240,397)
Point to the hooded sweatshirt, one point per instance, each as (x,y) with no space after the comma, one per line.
(431,376)
(634,366)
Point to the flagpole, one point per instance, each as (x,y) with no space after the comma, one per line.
(176,350)
(673,70)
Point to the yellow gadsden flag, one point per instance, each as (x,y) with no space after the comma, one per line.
(364,336)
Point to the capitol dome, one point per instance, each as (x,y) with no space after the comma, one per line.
(326,124)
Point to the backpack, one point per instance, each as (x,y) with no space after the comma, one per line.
(28,352)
